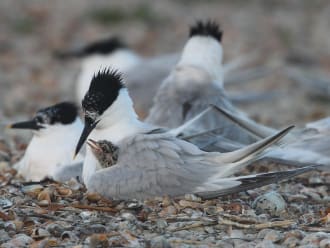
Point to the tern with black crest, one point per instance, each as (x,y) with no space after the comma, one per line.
(56,130)
(151,161)
(194,84)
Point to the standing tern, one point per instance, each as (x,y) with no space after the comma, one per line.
(56,130)
(194,84)
(112,52)
(152,161)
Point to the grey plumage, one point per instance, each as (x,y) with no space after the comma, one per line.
(309,145)
(188,91)
(158,164)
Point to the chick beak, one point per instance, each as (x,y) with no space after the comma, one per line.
(93,144)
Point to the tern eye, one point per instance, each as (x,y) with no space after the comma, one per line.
(39,119)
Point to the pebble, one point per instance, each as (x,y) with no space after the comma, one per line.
(55,229)
(271,203)
(161,224)
(274,236)
(291,242)
(32,190)
(4,237)
(19,240)
(315,238)
(88,215)
(265,244)
(5,203)
(39,233)
(128,216)
(159,242)
(192,197)
(325,243)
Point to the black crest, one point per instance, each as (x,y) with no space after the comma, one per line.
(105,46)
(208,28)
(64,113)
(103,91)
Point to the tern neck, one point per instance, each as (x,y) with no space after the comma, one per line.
(204,52)
(119,120)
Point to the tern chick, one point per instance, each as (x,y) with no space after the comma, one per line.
(105,152)
(152,161)
(56,130)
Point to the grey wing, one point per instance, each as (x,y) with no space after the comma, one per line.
(66,172)
(144,80)
(310,150)
(152,165)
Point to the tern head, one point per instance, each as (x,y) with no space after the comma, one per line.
(207,29)
(100,104)
(204,49)
(105,152)
(63,113)
(100,47)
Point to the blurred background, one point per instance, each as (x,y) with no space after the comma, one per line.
(291,33)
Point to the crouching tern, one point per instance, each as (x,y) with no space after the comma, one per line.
(150,160)
(194,84)
(56,131)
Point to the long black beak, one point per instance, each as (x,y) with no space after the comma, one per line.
(88,128)
(32,124)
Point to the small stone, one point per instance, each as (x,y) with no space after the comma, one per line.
(314,238)
(237,234)
(87,215)
(32,190)
(5,203)
(291,242)
(189,204)
(55,229)
(19,240)
(128,216)
(98,241)
(161,224)
(265,244)
(274,236)
(325,243)
(39,233)
(93,197)
(169,210)
(64,191)
(192,197)
(4,237)
(43,203)
(271,203)
(166,201)
(159,242)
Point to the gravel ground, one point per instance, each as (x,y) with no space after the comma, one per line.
(284,33)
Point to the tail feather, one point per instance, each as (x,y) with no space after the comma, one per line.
(247,125)
(251,182)
(236,160)
(250,151)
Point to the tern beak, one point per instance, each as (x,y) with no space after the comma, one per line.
(84,135)
(32,124)
(93,144)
